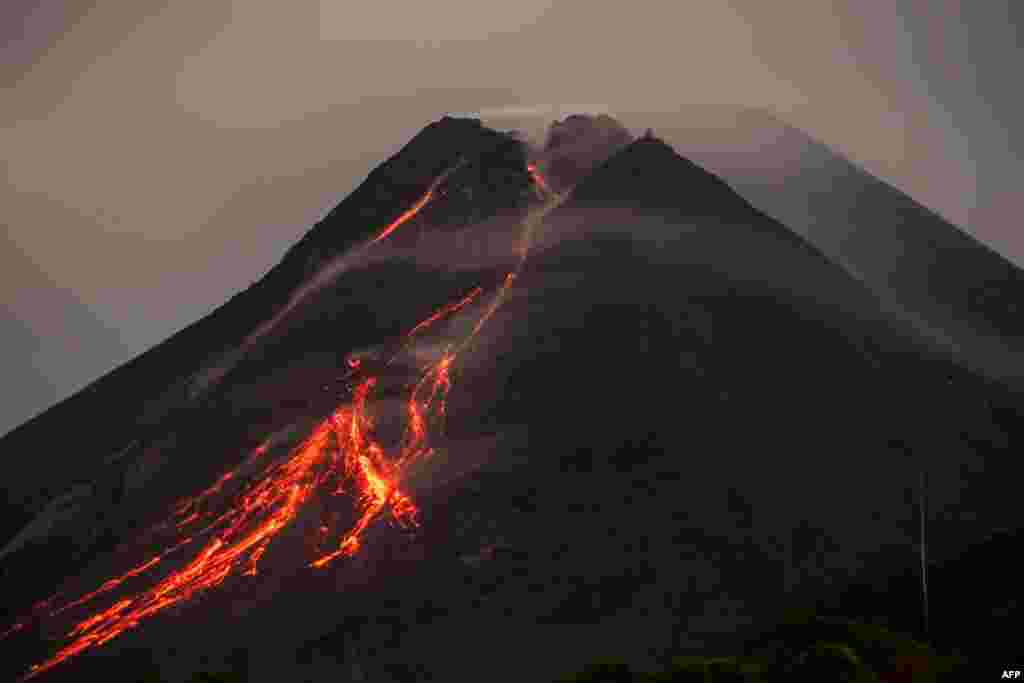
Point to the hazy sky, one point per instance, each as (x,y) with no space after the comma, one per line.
(160,156)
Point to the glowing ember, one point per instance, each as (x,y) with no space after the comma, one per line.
(231,534)
(538,181)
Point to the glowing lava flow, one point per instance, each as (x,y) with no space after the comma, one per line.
(232,533)
(332,270)
(379,492)
(447,311)
(418,206)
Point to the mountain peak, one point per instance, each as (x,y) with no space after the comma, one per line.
(481,154)
(649,173)
(454,123)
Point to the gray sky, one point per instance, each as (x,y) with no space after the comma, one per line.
(158,157)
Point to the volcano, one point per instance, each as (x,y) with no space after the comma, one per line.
(501,400)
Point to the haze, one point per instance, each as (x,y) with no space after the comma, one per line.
(160,157)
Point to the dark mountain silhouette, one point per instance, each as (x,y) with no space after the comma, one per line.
(961,294)
(683,419)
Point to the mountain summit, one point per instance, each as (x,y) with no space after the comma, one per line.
(648,173)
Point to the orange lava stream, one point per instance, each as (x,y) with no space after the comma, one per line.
(340,454)
(408,214)
(329,272)
(447,311)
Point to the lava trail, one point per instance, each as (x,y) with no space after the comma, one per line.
(339,265)
(228,532)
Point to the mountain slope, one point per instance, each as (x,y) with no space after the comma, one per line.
(960,293)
